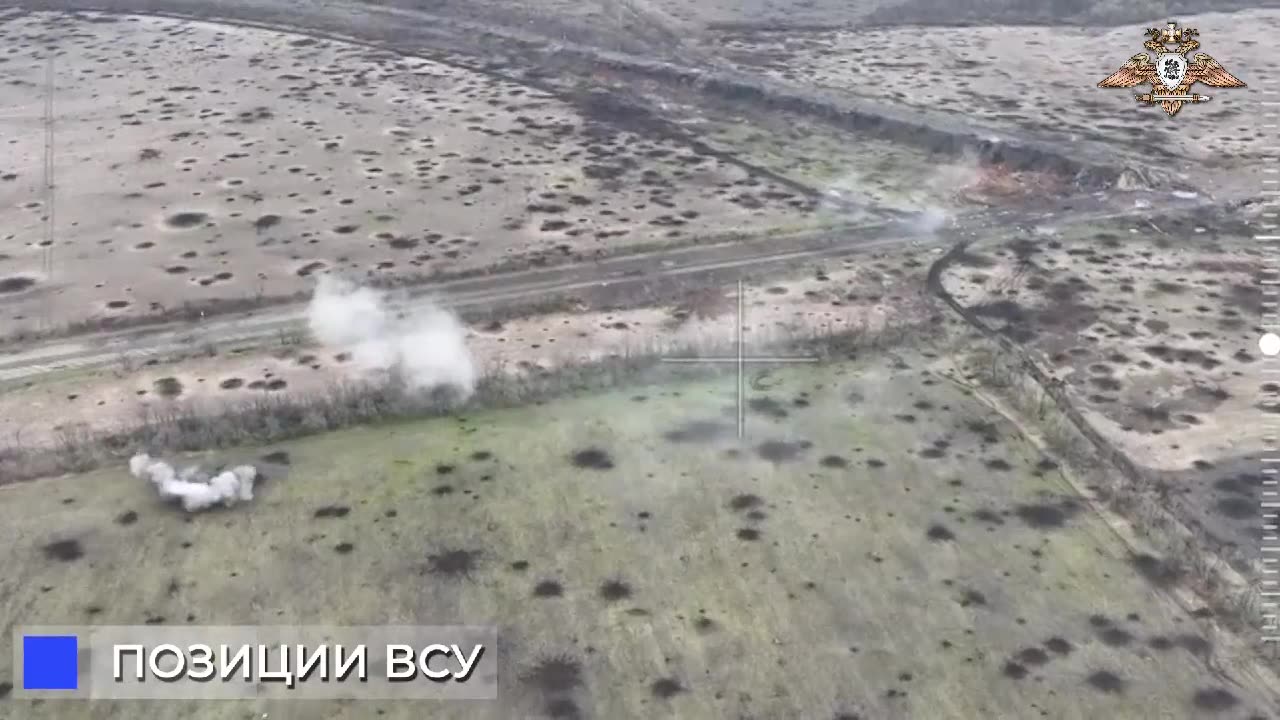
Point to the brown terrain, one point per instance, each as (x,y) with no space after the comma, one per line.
(1011,463)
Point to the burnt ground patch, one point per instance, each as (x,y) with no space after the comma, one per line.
(592,458)
(1157,571)
(266,221)
(1065,313)
(1047,515)
(666,687)
(1014,670)
(554,674)
(698,431)
(939,533)
(547,589)
(968,258)
(562,708)
(834,462)
(1222,500)
(454,563)
(168,387)
(998,464)
(16,283)
(1194,644)
(614,589)
(1115,637)
(988,516)
(1059,646)
(1106,681)
(1214,699)
(1032,656)
(768,407)
(277,457)
(780,451)
(745,501)
(186,220)
(64,550)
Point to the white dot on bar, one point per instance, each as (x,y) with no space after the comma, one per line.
(1269,344)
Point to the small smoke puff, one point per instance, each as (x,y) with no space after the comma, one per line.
(194,496)
(930,221)
(194,489)
(434,352)
(226,486)
(159,473)
(343,313)
(425,348)
(247,475)
(138,465)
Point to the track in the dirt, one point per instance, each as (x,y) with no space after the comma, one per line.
(693,265)
(520,54)
(698,263)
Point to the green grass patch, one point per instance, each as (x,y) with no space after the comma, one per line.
(878,544)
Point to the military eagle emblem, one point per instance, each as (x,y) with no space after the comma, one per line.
(1171,75)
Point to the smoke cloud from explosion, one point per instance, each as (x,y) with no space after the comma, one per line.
(934,204)
(425,348)
(193,488)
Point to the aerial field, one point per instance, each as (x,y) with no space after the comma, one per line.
(880,544)
(1040,80)
(195,161)
(1152,328)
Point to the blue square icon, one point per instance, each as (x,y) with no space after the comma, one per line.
(49,662)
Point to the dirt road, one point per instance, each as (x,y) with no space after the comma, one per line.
(635,272)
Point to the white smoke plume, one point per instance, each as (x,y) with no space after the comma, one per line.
(925,210)
(424,347)
(936,206)
(929,220)
(193,488)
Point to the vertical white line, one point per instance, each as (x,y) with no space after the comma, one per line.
(742,388)
(1269,526)
(47,256)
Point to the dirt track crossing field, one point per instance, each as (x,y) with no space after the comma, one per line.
(199,161)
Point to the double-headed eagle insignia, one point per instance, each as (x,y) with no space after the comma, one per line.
(1171,75)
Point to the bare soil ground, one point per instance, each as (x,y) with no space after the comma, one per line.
(1153,330)
(691,30)
(1040,80)
(196,161)
(881,545)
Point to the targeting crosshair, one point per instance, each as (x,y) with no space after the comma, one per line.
(741,359)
